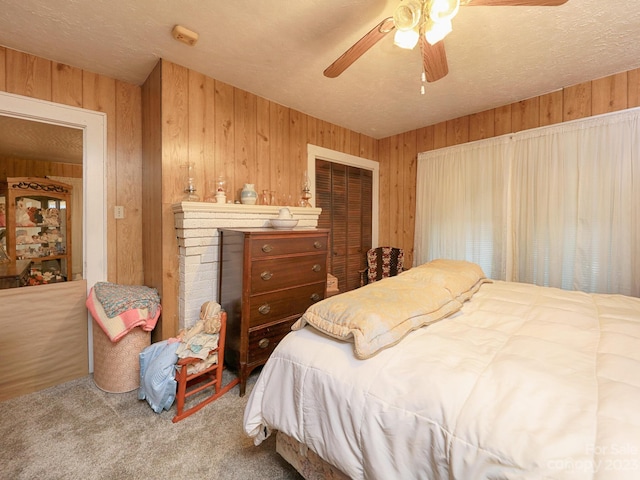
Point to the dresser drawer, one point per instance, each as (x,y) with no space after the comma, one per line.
(269,307)
(263,340)
(279,273)
(268,247)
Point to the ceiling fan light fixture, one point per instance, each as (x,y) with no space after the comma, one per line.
(407,15)
(436,31)
(406,38)
(443,10)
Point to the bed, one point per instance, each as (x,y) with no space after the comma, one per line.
(519,381)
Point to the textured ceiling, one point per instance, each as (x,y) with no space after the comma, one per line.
(40,141)
(278,50)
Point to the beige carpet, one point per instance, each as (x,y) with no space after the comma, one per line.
(77,431)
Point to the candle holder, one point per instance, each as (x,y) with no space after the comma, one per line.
(221,190)
(306,191)
(190,194)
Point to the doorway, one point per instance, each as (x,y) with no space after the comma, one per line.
(94,262)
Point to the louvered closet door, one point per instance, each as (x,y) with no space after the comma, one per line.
(345,195)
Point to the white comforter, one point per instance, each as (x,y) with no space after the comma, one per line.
(525,382)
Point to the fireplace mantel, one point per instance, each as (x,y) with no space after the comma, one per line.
(197,225)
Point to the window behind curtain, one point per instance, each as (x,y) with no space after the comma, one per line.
(461,205)
(571,205)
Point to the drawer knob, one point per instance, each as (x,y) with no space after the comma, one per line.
(316,267)
(264,309)
(263,343)
(315,297)
(266,248)
(266,275)
(317,244)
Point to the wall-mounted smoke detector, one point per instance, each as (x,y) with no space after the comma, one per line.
(184,35)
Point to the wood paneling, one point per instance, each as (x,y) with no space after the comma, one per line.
(28,75)
(409,168)
(297,153)
(32,76)
(152,186)
(384,197)
(440,135)
(57,345)
(396,190)
(279,134)
(551,108)
(223,134)
(502,120)
(199,152)
(245,109)
(609,94)
(226,130)
(263,144)
(633,86)
(66,84)
(3,69)
(128,178)
(457,130)
(481,125)
(525,114)
(577,101)
(175,173)
(21,167)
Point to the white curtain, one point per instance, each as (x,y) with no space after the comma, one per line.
(571,216)
(461,204)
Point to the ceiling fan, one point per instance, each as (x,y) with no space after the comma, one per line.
(426,22)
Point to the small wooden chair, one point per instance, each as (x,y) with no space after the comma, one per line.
(191,384)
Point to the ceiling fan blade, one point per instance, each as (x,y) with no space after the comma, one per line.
(434,60)
(359,48)
(513,3)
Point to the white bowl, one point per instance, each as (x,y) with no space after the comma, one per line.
(284,223)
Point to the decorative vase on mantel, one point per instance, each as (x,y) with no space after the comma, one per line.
(248,196)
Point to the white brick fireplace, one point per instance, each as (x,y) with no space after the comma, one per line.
(197,225)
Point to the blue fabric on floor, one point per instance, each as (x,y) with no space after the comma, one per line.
(157,375)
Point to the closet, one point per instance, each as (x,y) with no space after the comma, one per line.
(345,195)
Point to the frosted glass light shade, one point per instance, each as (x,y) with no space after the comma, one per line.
(443,10)
(406,38)
(436,31)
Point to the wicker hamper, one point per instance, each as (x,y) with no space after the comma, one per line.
(116,366)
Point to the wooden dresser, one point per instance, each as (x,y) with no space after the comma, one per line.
(268,278)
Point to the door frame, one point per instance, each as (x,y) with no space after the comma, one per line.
(314,151)
(94,143)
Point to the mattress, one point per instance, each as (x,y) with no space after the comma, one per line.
(523,382)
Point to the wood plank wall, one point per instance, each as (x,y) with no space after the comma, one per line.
(21,167)
(225,131)
(398,153)
(36,77)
